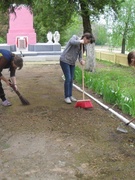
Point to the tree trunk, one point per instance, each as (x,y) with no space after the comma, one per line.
(90,58)
(85,16)
(123,46)
(124,36)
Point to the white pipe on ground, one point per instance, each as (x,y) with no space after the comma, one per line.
(106,107)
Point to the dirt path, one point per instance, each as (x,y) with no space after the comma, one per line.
(50,140)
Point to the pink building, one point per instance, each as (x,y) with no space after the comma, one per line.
(21,32)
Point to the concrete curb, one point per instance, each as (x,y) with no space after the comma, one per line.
(49,59)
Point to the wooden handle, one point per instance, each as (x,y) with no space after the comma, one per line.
(130,121)
(82,72)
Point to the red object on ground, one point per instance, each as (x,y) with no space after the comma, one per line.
(84,104)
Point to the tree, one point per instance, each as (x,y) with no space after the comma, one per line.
(123,28)
(52,16)
(100,33)
(63,10)
(3,26)
(49,15)
(90,9)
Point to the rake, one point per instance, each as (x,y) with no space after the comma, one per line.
(122,128)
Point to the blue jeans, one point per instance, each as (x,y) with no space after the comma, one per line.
(68,71)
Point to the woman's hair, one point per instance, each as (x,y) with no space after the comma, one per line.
(130,56)
(18,61)
(89,37)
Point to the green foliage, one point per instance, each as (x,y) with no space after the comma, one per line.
(123,27)
(110,92)
(75,27)
(56,15)
(3,26)
(2,40)
(100,33)
(127,103)
(78,75)
(115,84)
(52,16)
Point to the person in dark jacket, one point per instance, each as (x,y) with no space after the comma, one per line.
(69,56)
(8,60)
(131,58)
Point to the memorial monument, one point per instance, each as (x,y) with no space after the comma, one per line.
(21,32)
(21,35)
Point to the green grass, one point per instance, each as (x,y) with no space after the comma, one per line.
(115,83)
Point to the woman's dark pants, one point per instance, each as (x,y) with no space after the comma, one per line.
(68,71)
(2,94)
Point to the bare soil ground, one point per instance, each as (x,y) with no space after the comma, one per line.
(51,140)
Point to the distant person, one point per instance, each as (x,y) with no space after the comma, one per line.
(131,58)
(71,53)
(12,62)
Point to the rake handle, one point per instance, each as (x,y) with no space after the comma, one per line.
(130,121)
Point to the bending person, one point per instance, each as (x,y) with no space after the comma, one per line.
(12,62)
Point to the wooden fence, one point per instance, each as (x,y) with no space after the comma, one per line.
(112,57)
